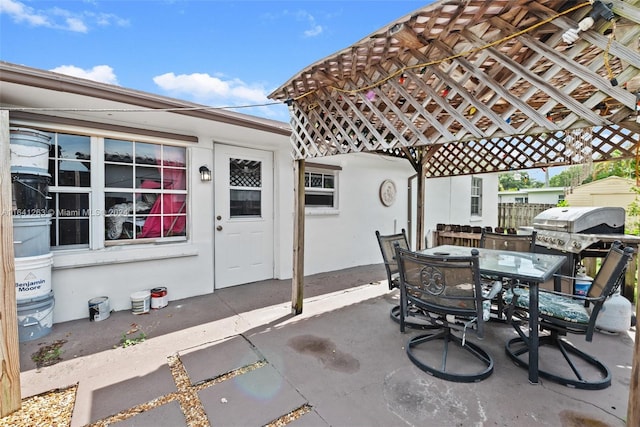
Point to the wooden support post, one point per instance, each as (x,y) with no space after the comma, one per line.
(633,408)
(420,243)
(297,281)
(9,354)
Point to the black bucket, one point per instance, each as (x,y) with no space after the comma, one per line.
(30,194)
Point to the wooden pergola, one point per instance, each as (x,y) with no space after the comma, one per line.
(471,87)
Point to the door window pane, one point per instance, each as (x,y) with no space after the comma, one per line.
(245,182)
(245,173)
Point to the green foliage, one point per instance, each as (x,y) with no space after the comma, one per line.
(513,181)
(562,204)
(128,342)
(48,355)
(632,225)
(566,177)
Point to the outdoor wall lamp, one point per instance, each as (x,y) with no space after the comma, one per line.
(205,174)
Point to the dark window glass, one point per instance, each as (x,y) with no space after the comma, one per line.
(245,203)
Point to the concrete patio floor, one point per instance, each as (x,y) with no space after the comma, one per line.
(341,363)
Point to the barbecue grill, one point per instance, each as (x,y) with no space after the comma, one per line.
(575,229)
(579,232)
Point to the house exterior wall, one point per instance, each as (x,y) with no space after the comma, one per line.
(545,195)
(346,237)
(334,239)
(186,268)
(612,191)
(448,201)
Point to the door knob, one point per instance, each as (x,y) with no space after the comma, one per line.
(219,228)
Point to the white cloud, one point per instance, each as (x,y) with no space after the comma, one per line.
(57,18)
(218,91)
(99,73)
(21,13)
(315,30)
(212,90)
(76,25)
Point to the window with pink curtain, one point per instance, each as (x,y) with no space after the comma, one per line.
(146,190)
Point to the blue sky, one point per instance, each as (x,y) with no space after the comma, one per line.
(213,52)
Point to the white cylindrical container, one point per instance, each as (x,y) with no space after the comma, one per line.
(140,302)
(159,297)
(99,309)
(582,283)
(29,151)
(31,235)
(615,314)
(33,276)
(35,317)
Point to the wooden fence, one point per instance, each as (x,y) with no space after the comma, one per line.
(514,215)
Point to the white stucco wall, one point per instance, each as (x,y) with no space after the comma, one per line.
(347,238)
(448,201)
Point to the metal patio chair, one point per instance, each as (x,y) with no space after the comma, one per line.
(505,242)
(561,313)
(445,292)
(387,245)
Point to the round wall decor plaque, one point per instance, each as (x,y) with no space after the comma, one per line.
(387,192)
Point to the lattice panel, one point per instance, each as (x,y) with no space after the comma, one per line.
(245,173)
(459,76)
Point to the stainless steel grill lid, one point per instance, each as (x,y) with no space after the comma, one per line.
(605,220)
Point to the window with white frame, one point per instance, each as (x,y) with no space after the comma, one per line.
(145,190)
(141,185)
(476,196)
(70,190)
(321,186)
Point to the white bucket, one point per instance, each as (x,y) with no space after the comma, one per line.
(35,317)
(140,302)
(33,276)
(29,151)
(31,235)
(159,297)
(99,309)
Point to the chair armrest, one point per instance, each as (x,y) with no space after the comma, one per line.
(496,288)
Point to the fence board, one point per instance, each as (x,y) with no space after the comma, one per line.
(514,215)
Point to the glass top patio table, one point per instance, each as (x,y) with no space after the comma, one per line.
(529,267)
(526,266)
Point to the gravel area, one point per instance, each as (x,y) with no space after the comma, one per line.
(53,408)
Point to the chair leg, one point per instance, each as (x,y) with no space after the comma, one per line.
(517,347)
(395,316)
(450,343)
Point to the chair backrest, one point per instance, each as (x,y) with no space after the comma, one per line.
(387,247)
(508,242)
(608,278)
(442,284)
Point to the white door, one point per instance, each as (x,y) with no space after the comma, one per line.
(243,220)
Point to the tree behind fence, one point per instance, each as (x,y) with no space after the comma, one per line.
(514,215)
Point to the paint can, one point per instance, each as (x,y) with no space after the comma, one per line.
(159,297)
(35,317)
(31,235)
(33,276)
(140,302)
(29,150)
(99,309)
